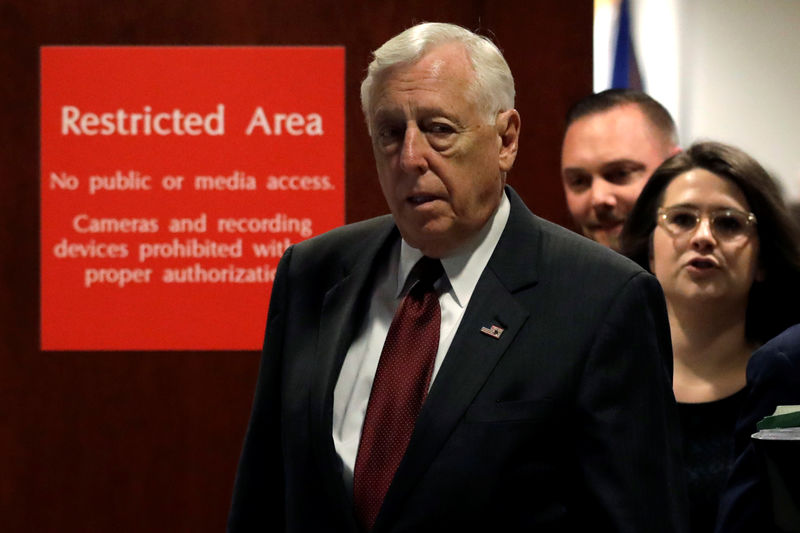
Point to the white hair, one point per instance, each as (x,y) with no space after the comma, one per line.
(493,87)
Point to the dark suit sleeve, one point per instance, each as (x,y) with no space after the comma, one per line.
(773,378)
(628,443)
(258,495)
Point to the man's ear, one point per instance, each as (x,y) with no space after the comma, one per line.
(508,124)
(674,150)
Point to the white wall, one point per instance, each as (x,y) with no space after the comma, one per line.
(727,70)
(741,80)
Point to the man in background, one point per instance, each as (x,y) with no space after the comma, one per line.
(614,140)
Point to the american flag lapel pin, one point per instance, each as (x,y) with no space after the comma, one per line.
(493,331)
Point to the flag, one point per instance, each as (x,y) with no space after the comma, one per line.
(625,74)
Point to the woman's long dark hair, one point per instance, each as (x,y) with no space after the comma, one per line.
(774,303)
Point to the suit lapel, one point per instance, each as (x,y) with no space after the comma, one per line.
(345,300)
(473,354)
(343,306)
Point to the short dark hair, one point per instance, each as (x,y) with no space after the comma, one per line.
(774,303)
(606,100)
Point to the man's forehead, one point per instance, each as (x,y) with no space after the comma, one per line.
(436,67)
(436,81)
(439,62)
(620,119)
(437,56)
(618,133)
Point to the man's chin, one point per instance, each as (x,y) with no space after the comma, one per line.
(606,236)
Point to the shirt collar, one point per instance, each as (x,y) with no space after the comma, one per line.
(465,266)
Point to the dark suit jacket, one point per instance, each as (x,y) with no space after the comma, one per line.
(564,423)
(773,378)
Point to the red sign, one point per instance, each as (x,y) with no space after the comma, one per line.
(173,178)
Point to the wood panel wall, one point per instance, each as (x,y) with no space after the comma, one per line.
(148,441)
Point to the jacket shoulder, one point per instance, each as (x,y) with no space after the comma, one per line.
(579,247)
(551,249)
(580,262)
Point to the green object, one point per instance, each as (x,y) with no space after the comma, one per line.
(785,416)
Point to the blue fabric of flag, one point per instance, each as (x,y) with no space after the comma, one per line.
(626,73)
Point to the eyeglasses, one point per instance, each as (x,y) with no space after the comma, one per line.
(726,224)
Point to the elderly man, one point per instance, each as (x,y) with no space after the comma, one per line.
(614,141)
(460,365)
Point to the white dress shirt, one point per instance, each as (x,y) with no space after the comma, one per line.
(462,271)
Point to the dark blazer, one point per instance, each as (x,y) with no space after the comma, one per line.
(773,378)
(564,423)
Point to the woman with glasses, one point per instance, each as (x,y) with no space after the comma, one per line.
(711,225)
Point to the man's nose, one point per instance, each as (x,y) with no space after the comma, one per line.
(412,156)
(603,196)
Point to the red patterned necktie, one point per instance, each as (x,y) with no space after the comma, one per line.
(400,386)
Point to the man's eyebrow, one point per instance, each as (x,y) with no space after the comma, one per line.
(420,112)
(624,162)
(574,172)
